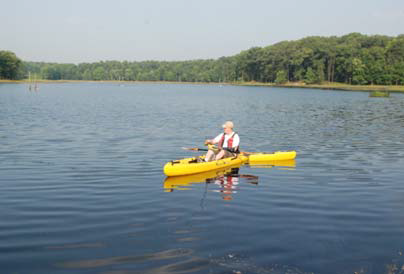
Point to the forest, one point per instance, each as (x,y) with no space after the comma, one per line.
(354,58)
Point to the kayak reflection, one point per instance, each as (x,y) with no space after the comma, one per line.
(227,178)
(229,183)
(183,182)
(284,164)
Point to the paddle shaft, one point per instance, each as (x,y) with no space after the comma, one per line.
(206,149)
(195,148)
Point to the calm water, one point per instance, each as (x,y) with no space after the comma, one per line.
(82,187)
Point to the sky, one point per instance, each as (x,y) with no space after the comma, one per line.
(76,31)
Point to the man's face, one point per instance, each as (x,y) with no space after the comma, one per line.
(227,130)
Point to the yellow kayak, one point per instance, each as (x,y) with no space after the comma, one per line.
(197,164)
(184,181)
(194,165)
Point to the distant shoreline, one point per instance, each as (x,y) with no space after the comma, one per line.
(326,86)
(330,86)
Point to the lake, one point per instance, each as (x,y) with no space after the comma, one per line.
(82,188)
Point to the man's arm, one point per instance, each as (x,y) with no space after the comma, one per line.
(214,141)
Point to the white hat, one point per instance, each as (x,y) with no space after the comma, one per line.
(228,124)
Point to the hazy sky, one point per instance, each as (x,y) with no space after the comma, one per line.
(92,30)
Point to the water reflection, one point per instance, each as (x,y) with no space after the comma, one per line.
(227,180)
(183,182)
(192,265)
(282,165)
(119,260)
(76,246)
(229,183)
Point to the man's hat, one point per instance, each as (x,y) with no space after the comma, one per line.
(228,124)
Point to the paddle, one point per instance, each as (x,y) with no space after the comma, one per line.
(206,149)
(195,148)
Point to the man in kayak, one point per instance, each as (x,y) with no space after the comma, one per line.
(227,142)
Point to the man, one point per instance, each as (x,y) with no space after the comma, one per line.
(227,142)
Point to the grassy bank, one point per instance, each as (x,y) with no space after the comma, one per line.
(329,86)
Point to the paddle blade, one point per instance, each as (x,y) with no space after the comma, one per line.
(191,148)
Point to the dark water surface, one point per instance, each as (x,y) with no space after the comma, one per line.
(81,181)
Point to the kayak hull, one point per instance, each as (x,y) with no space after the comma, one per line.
(194,165)
(184,181)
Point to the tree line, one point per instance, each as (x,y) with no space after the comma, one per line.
(353,59)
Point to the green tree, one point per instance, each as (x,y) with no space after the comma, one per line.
(281,77)
(87,75)
(129,75)
(10,65)
(51,72)
(249,64)
(320,71)
(395,58)
(358,72)
(99,74)
(310,77)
